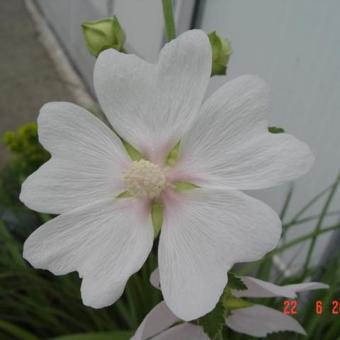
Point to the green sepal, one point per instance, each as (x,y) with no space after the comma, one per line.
(213,322)
(134,154)
(274,129)
(173,155)
(124,194)
(185,186)
(235,282)
(221,52)
(103,34)
(157,217)
(231,303)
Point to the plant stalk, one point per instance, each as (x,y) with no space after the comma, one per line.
(169,19)
(319,223)
(304,238)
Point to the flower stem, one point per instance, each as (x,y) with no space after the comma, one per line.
(169,19)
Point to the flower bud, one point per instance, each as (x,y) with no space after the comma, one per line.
(221,52)
(103,34)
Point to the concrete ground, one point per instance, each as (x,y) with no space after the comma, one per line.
(28,78)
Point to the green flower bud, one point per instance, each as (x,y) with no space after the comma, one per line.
(103,34)
(221,52)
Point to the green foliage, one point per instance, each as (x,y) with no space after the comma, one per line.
(26,155)
(117,335)
(15,331)
(45,306)
(214,321)
(24,143)
(235,282)
(326,325)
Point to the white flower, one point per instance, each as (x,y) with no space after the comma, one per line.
(224,148)
(256,320)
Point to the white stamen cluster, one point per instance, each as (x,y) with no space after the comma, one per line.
(144,179)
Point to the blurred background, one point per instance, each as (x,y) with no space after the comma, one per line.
(293,45)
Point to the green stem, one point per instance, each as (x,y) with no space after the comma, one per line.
(304,238)
(286,202)
(313,217)
(309,204)
(169,19)
(319,223)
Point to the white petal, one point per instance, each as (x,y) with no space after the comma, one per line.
(151,104)
(259,288)
(305,286)
(203,234)
(229,144)
(154,279)
(185,331)
(159,319)
(86,164)
(260,320)
(106,242)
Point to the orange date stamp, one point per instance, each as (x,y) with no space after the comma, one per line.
(290,307)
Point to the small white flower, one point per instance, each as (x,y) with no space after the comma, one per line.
(256,320)
(224,148)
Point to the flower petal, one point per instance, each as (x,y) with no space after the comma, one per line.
(229,144)
(159,319)
(86,164)
(185,331)
(154,279)
(204,233)
(106,242)
(151,104)
(260,289)
(260,320)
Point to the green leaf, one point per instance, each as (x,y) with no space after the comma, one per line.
(116,335)
(235,282)
(157,217)
(185,186)
(213,322)
(16,332)
(274,129)
(173,155)
(134,154)
(12,247)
